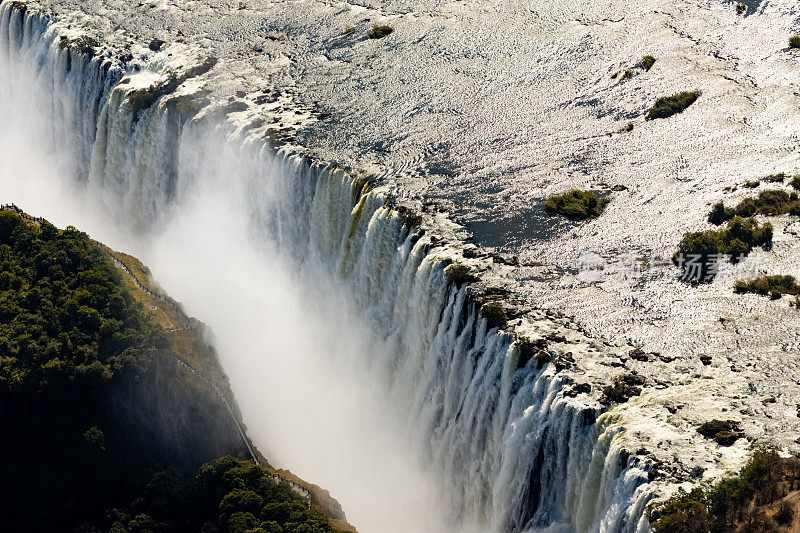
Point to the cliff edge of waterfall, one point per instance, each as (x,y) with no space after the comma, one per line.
(117,414)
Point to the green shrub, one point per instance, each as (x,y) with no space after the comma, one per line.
(699,252)
(94,440)
(379,31)
(732,501)
(727,438)
(683,513)
(794,41)
(769,285)
(748,231)
(795,182)
(741,8)
(667,106)
(719,214)
(648,62)
(774,178)
(771,202)
(576,204)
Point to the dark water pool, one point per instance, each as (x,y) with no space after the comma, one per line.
(509,232)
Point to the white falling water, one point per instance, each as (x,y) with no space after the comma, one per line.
(354,362)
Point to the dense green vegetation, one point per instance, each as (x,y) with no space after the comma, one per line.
(648,62)
(226,495)
(576,204)
(666,106)
(379,30)
(93,405)
(719,214)
(699,252)
(66,321)
(769,203)
(794,41)
(91,400)
(774,286)
(748,501)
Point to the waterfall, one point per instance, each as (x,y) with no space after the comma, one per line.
(509,451)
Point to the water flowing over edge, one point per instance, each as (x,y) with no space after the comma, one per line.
(516,452)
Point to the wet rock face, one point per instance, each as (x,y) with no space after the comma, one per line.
(580,388)
(623,388)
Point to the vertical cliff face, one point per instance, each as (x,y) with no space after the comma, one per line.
(510,451)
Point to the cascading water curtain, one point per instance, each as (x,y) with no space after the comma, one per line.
(512,451)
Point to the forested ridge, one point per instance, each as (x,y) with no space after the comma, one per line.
(101,431)
(66,322)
